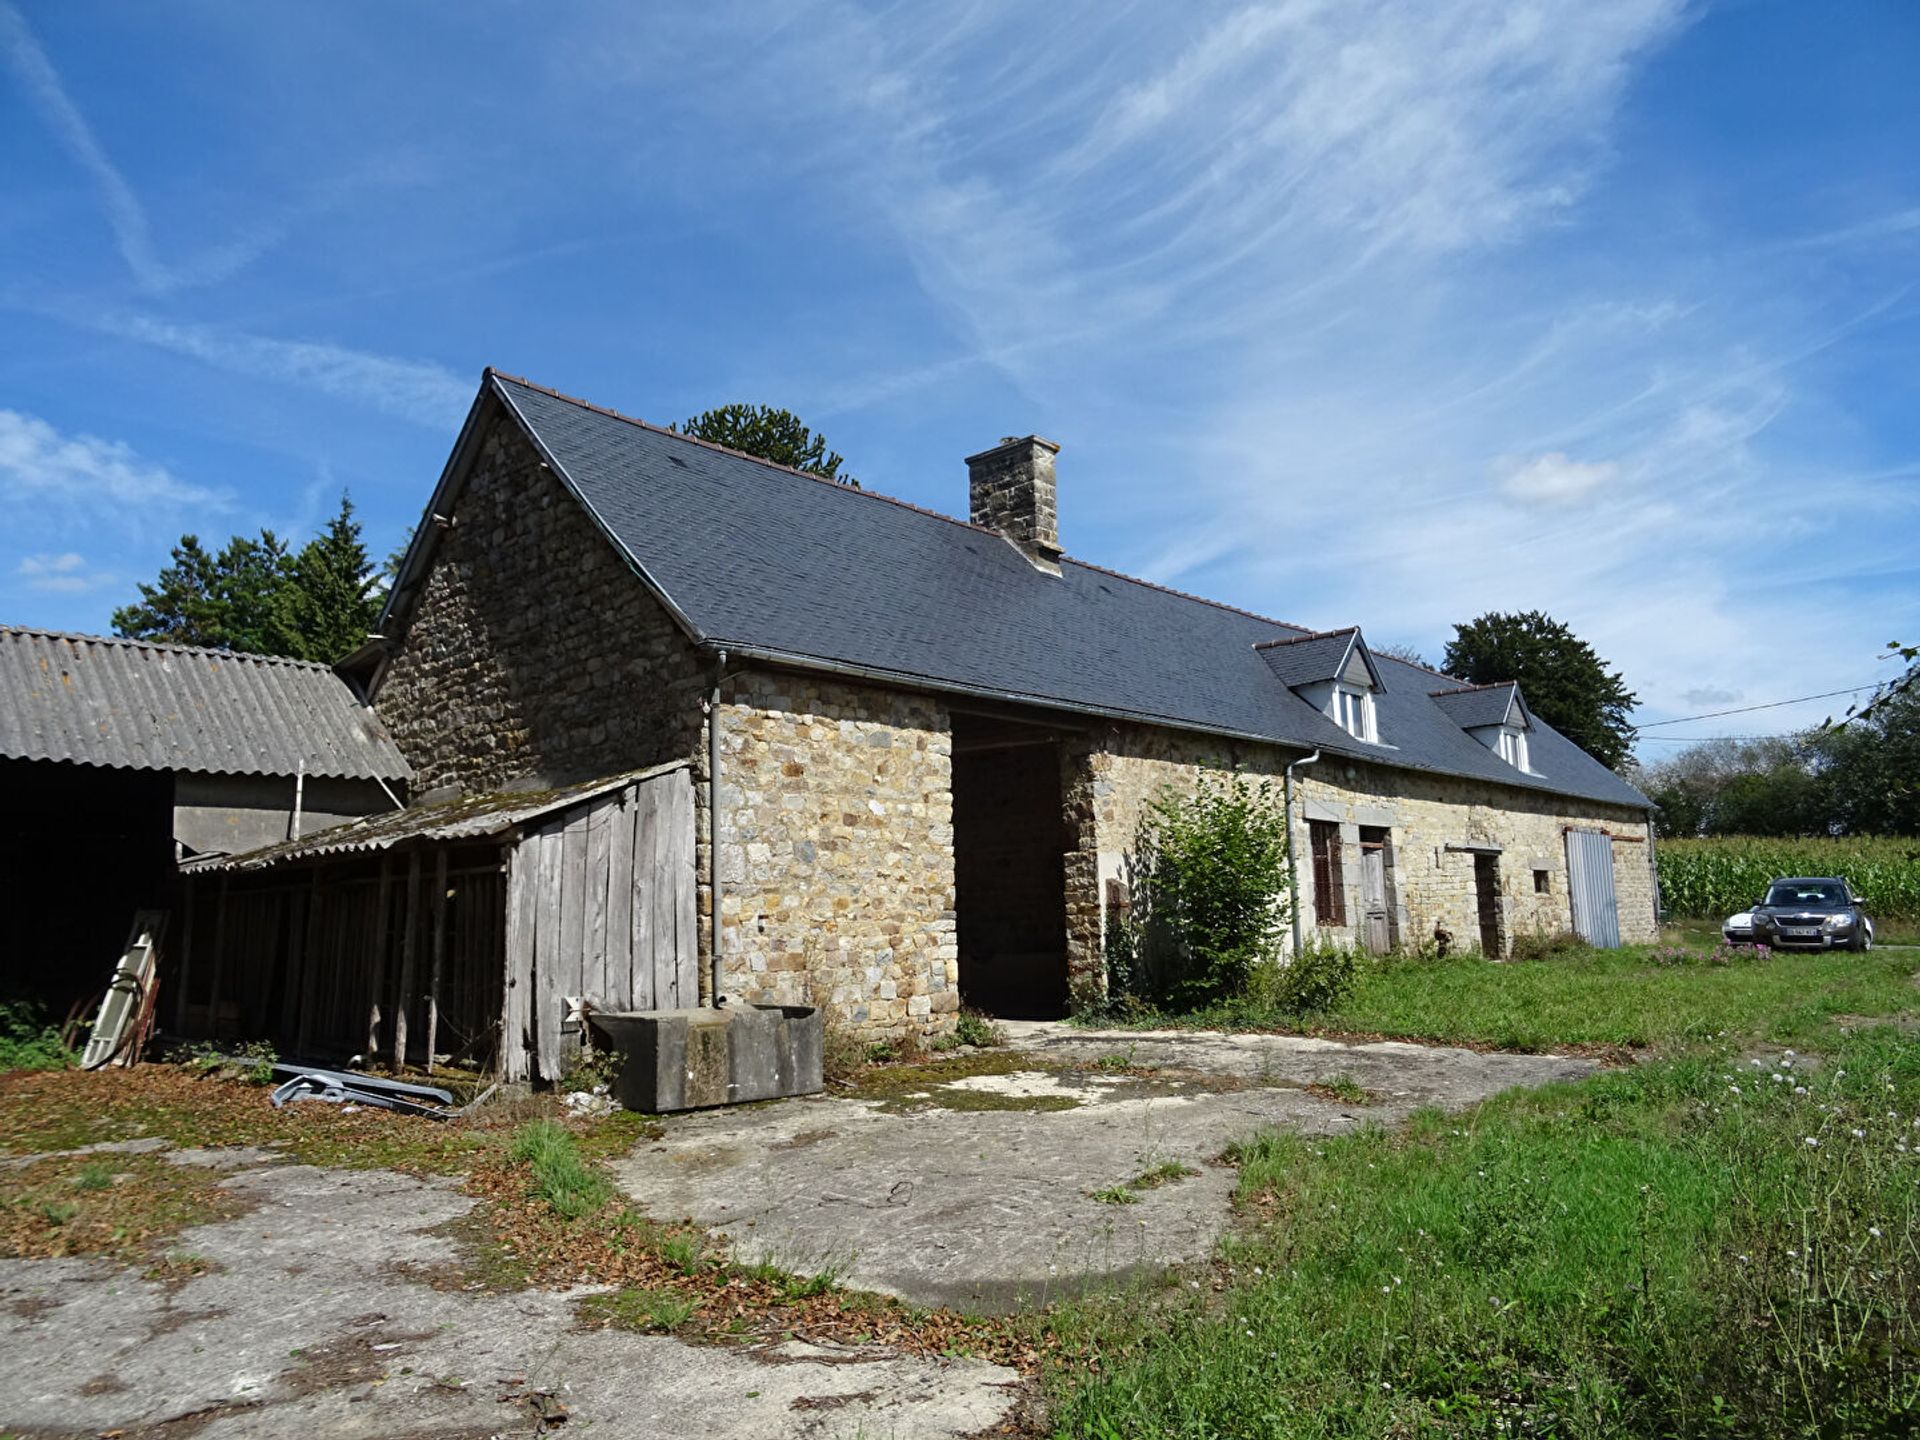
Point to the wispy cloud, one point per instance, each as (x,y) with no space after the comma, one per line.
(43,86)
(65,574)
(83,473)
(417,390)
(1554,479)
(1320,237)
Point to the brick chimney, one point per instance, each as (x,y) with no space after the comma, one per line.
(1010,489)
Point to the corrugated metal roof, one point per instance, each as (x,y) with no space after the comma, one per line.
(140,705)
(470,818)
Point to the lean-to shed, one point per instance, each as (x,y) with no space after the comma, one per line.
(474,930)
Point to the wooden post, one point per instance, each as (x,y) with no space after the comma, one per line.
(219,959)
(405,999)
(377,981)
(189,885)
(310,976)
(439,951)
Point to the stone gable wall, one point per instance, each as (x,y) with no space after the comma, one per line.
(836,851)
(535,653)
(1430,885)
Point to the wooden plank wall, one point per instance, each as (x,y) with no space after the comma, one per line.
(601,907)
(304,961)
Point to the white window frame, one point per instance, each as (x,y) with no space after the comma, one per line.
(1353,712)
(1512,747)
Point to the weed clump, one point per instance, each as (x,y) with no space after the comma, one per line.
(561,1176)
(1547,945)
(29,1040)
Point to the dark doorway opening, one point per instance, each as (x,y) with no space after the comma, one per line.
(83,848)
(1009,848)
(1486,883)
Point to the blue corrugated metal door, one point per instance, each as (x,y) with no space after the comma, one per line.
(1596,913)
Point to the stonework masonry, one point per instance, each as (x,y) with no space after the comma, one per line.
(1430,884)
(535,653)
(836,858)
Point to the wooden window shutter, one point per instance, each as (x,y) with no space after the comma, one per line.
(1329,875)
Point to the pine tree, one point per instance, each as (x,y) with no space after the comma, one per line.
(776,435)
(255,596)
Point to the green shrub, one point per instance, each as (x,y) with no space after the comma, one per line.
(29,1040)
(1546,945)
(1318,978)
(973,1028)
(1211,899)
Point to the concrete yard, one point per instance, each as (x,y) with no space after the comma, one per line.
(972,1182)
(307,1328)
(979,1192)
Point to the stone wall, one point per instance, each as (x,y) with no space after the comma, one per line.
(535,653)
(836,851)
(1430,885)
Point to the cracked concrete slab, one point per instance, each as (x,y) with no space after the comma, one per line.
(305,1327)
(986,1209)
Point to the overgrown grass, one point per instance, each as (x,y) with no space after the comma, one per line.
(1598,997)
(560,1175)
(1693,1247)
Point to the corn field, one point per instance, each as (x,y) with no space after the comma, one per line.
(1711,879)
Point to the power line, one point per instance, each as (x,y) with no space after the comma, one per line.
(1748,709)
(1702,739)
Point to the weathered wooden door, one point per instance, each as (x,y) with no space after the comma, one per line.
(1486,884)
(1596,910)
(1376,932)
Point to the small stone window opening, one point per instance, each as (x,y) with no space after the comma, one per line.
(1543,882)
(1329,889)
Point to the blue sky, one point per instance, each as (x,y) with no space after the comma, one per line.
(1385,313)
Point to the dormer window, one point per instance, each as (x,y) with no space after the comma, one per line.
(1353,712)
(1495,715)
(1333,672)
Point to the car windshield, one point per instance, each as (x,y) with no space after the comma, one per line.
(1806,895)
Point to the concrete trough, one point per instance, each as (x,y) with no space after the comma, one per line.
(693,1059)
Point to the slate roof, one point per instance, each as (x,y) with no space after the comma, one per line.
(1308,659)
(139,705)
(770,563)
(1472,706)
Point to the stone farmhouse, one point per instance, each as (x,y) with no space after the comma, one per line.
(921,746)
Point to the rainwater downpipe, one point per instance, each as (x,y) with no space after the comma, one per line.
(715,944)
(1293,865)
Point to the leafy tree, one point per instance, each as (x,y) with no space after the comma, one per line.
(1738,787)
(1566,684)
(257,596)
(1870,768)
(776,435)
